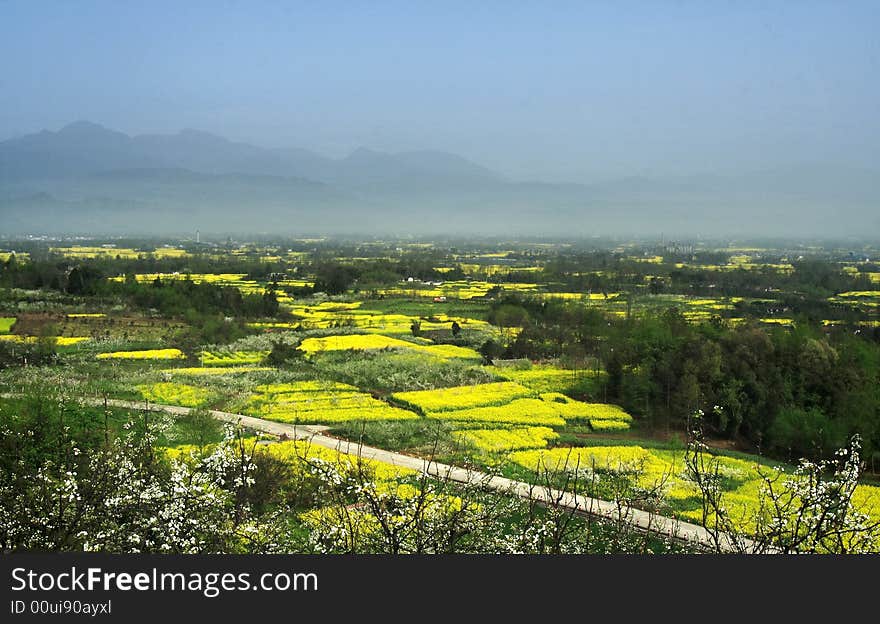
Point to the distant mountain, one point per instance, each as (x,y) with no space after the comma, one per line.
(76,149)
(84,147)
(90,179)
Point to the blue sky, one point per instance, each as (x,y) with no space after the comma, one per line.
(577,91)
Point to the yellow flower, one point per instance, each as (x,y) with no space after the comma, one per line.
(146,354)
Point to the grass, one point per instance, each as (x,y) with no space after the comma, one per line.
(417,436)
(89,421)
(398,372)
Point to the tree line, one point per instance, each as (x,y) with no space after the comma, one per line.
(799,391)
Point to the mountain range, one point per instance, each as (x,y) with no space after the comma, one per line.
(85,178)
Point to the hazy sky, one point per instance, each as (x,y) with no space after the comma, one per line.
(552,90)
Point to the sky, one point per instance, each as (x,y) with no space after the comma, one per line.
(555,91)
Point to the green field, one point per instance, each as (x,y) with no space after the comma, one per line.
(586,377)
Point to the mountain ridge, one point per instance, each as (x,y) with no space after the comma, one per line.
(84,169)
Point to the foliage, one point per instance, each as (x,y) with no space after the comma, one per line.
(819,508)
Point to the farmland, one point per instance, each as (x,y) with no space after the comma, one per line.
(589,366)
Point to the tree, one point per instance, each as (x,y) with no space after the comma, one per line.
(490,350)
(201,426)
(282,352)
(334,279)
(809,511)
(508,315)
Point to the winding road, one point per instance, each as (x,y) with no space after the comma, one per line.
(680,531)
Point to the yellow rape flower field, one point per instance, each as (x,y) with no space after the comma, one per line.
(546,378)
(145,354)
(170,393)
(61,341)
(517,412)
(299,451)
(502,440)
(320,403)
(459,397)
(232,358)
(213,371)
(369,342)
(511,403)
(333,314)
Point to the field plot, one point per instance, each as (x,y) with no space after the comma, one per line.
(145,354)
(61,341)
(368,342)
(232,280)
(98,326)
(456,289)
(461,397)
(320,403)
(503,440)
(489,357)
(175,394)
(508,403)
(232,358)
(214,371)
(339,314)
(550,378)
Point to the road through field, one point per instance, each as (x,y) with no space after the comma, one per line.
(641,520)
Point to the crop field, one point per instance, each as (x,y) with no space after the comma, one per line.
(368,342)
(551,379)
(462,397)
(61,341)
(320,279)
(145,354)
(503,440)
(99,326)
(214,371)
(320,403)
(175,394)
(512,360)
(6,256)
(509,403)
(232,358)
